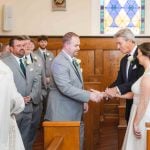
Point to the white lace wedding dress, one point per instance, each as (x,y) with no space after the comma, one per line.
(130,141)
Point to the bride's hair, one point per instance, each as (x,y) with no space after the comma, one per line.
(145,48)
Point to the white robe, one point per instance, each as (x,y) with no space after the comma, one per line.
(11,103)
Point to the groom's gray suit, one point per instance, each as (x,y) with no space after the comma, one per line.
(66,97)
(26,86)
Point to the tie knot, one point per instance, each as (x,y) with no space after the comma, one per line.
(75,62)
(44,54)
(21,61)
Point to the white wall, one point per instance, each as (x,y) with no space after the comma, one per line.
(35,17)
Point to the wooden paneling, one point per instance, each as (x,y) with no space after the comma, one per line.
(100,64)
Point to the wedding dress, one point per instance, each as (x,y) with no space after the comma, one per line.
(11,103)
(130,141)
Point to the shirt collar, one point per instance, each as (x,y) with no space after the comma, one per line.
(18,58)
(42,50)
(133,51)
(70,58)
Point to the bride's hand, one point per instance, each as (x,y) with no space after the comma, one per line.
(137,131)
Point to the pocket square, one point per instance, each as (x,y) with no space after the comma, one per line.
(134,67)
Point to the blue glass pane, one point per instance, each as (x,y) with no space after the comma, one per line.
(131,8)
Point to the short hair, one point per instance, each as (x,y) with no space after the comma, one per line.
(145,48)
(126,34)
(11,41)
(67,37)
(26,37)
(42,38)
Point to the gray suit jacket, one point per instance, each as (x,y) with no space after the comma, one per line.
(66,97)
(47,62)
(26,86)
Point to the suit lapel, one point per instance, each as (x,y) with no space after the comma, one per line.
(124,67)
(41,55)
(17,66)
(134,63)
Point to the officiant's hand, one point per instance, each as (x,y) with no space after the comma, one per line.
(111,92)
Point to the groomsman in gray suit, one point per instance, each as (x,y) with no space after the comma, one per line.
(46,57)
(27,83)
(31,58)
(67,99)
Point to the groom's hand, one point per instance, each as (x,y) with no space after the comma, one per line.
(99,95)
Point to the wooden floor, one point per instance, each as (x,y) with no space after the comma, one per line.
(108,138)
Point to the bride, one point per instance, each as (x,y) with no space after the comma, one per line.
(11,103)
(135,137)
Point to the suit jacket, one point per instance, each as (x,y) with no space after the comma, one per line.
(135,71)
(66,97)
(38,66)
(26,86)
(47,62)
(124,84)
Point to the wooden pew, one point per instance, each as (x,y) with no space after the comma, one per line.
(148,135)
(61,135)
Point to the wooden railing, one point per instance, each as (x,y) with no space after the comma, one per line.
(148,135)
(61,135)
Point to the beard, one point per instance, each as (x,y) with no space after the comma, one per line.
(42,47)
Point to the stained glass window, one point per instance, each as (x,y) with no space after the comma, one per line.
(116,14)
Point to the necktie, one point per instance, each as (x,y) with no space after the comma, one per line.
(22,67)
(75,64)
(44,54)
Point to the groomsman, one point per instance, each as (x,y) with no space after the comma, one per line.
(67,99)
(46,58)
(130,69)
(31,58)
(27,83)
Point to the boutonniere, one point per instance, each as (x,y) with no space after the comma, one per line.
(131,59)
(47,54)
(27,62)
(78,61)
(35,58)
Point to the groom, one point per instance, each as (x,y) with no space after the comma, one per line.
(67,99)
(130,69)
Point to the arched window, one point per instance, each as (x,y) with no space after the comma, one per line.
(116,14)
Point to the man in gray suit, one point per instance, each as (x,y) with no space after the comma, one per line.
(32,58)
(46,58)
(26,82)
(67,97)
